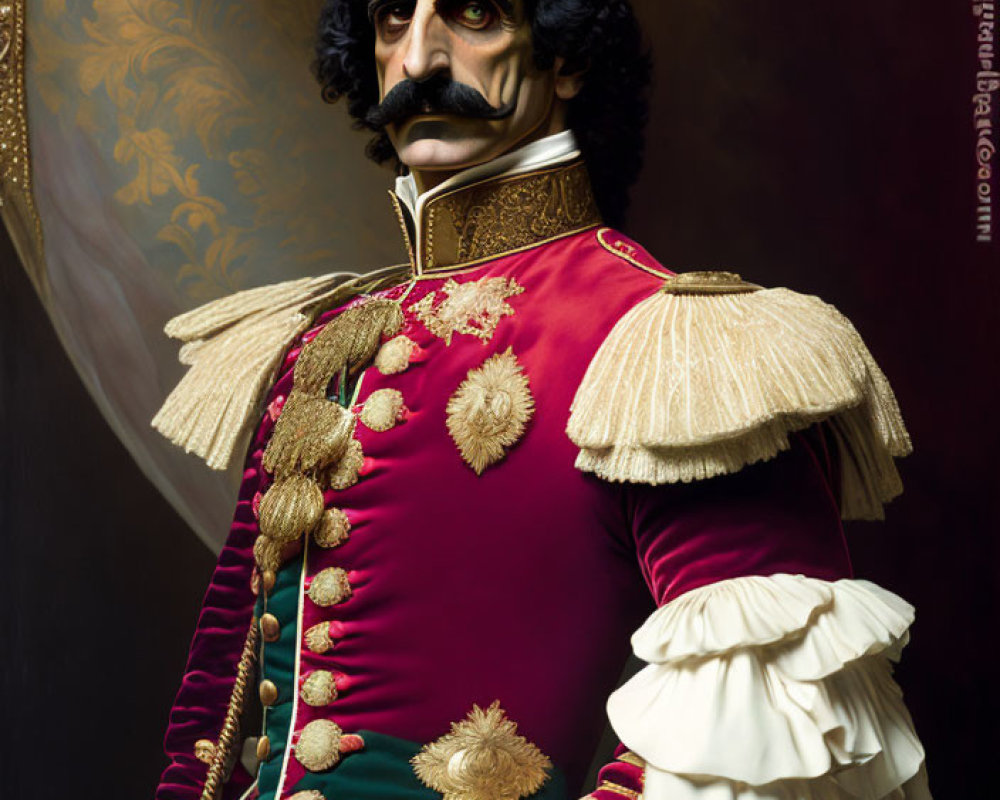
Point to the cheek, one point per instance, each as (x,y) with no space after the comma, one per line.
(388,67)
(534,99)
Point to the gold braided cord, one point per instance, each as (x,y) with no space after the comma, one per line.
(690,386)
(233,347)
(350,340)
(624,791)
(224,750)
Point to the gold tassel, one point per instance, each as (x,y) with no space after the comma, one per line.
(711,374)
(233,347)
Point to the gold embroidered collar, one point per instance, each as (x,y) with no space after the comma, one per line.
(498,216)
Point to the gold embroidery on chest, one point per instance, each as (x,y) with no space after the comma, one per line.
(475,307)
(482,758)
(313,443)
(490,410)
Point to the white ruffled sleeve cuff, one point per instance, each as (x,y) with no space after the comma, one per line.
(774,687)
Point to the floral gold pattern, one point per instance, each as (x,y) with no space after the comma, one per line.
(180,100)
(330,587)
(319,688)
(474,307)
(490,410)
(482,758)
(382,410)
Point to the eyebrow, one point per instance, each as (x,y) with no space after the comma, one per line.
(506,7)
(374,6)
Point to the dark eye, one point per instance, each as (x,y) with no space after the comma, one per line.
(474,15)
(392,18)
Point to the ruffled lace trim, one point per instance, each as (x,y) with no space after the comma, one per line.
(776,685)
(818,625)
(660,785)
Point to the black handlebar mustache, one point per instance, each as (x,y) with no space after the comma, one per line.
(435,96)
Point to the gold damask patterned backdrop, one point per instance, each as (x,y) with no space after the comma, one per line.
(207,125)
(180,152)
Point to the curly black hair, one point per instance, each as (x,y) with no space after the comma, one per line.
(599,37)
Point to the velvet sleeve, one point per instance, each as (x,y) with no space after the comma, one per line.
(767,664)
(203,698)
(777,516)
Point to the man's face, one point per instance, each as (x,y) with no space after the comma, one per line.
(458,81)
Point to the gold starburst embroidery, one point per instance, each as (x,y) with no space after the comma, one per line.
(475,307)
(490,410)
(482,758)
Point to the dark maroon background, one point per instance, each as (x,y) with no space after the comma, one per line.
(827,147)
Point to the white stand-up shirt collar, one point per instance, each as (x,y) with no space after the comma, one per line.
(555,149)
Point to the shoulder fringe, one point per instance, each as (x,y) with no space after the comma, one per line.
(233,347)
(690,386)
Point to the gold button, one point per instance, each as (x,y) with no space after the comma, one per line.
(318,748)
(334,528)
(268,693)
(382,409)
(263,748)
(394,356)
(267,580)
(329,587)
(204,750)
(270,628)
(319,688)
(318,638)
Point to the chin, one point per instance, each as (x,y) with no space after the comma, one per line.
(439,154)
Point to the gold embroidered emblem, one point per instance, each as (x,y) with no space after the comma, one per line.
(482,758)
(475,307)
(490,410)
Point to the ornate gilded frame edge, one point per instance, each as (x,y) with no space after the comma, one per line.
(17,202)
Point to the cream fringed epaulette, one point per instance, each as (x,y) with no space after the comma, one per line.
(233,347)
(711,374)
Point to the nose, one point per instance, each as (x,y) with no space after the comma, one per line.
(427,47)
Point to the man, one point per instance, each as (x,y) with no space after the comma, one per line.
(478,473)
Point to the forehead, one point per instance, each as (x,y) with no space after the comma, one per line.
(510,8)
